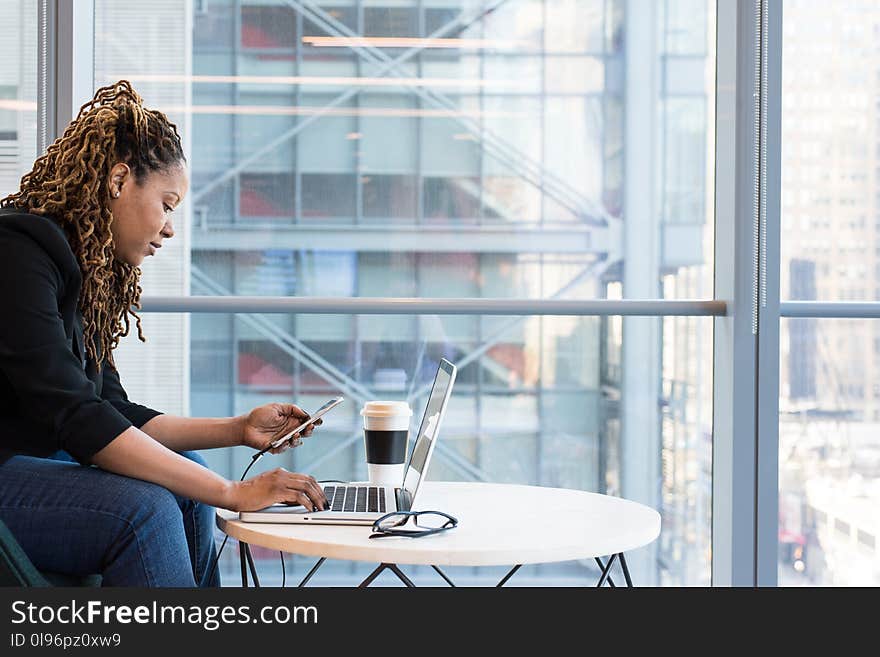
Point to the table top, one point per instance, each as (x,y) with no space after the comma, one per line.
(499,524)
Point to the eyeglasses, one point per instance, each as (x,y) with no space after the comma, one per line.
(424,523)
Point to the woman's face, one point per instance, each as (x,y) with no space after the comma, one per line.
(142,210)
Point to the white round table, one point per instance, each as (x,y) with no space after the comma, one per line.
(499,525)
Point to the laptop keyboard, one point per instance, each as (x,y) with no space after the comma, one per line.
(355,498)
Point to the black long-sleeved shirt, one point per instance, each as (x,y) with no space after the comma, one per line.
(52,396)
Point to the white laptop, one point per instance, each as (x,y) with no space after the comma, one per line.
(362,504)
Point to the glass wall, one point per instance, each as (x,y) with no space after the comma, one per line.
(829,462)
(440,149)
(18,92)
(829,425)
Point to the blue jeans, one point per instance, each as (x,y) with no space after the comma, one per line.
(80,520)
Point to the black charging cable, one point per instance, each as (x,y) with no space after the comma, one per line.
(256,457)
(283,567)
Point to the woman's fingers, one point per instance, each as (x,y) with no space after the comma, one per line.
(296,441)
(308,486)
(300,498)
(315,491)
(295,411)
(279,485)
(309,429)
(306,500)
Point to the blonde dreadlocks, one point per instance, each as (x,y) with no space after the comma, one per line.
(70,183)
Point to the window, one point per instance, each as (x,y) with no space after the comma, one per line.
(270,27)
(8,114)
(391,197)
(829,382)
(488,164)
(18,102)
(267,195)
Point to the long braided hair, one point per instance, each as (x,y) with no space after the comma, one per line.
(70,182)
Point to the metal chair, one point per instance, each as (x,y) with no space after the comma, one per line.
(17,570)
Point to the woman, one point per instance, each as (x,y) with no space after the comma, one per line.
(71,242)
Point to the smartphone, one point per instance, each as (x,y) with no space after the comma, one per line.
(314,416)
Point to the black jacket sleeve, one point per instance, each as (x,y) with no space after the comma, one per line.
(113,392)
(51,387)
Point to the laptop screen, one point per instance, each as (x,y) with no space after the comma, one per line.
(427,435)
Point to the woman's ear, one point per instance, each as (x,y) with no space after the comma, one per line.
(120,174)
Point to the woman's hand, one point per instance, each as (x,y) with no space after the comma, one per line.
(277,485)
(270,422)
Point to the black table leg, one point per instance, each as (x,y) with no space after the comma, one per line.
(244,578)
(247,562)
(606,570)
(373,575)
(403,578)
(389,566)
(625,570)
(508,576)
(250,562)
(312,571)
(443,575)
(602,570)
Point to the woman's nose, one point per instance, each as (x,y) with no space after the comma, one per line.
(168,230)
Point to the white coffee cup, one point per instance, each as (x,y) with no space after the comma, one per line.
(386,433)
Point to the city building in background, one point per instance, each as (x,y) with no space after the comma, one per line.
(829,406)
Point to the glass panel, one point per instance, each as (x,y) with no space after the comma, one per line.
(512,122)
(451,200)
(685,27)
(328,196)
(829,453)
(829,457)
(18,94)
(388,21)
(830,114)
(213,22)
(686,160)
(588,15)
(575,75)
(391,198)
(384,113)
(487,162)
(269,26)
(267,195)
(437,18)
(535,402)
(332,17)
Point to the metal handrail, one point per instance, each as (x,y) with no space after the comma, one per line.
(830,309)
(415,306)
